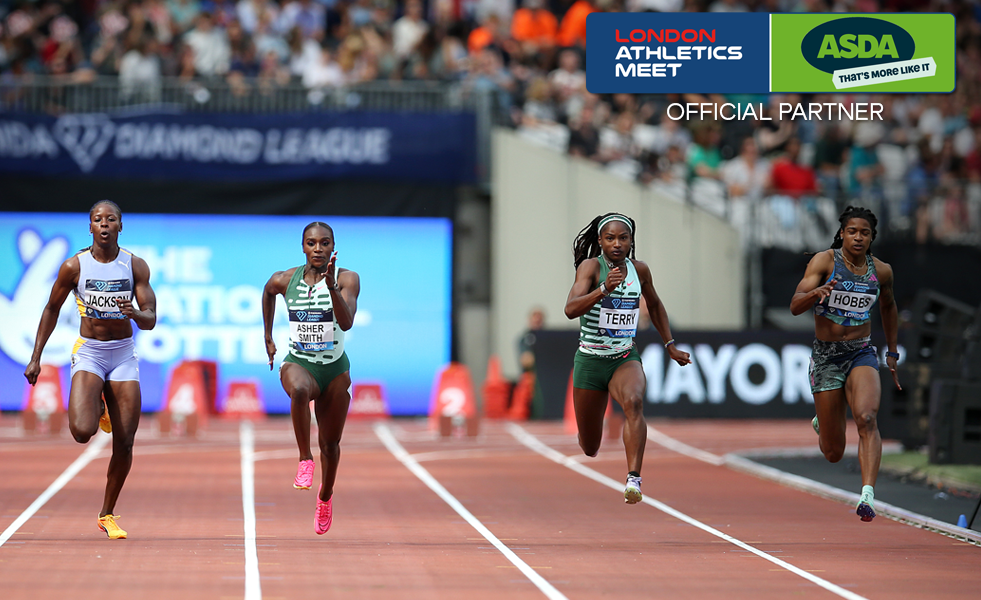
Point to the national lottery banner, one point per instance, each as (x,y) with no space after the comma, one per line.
(758,53)
(208,273)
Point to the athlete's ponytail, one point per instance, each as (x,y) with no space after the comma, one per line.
(587,242)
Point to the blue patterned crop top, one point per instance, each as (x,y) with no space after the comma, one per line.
(853,296)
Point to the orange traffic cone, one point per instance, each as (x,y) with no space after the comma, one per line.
(453,401)
(496,391)
(243,401)
(368,402)
(44,407)
(186,400)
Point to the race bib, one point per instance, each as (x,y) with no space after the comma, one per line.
(851,301)
(312,329)
(101,297)
(618,317)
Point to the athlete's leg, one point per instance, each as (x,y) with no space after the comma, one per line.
(331,409)
(84,405)
(862,389)
(301,388)
(124,402)
(590,407)
(627,387)
(830,408)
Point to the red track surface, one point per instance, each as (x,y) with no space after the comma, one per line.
(393,537)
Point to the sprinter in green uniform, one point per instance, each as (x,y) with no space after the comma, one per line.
(321,300)
(606,297)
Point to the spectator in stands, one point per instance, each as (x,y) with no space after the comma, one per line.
(569,83)
(266,40)
(703,154)
(727,6)
(139,72)
(789,177)
(746,176)
(534,27)
(308,15)
(864,169)
(183,14)
(487,34)
(408,30)
(252,12)
(583,135)
(572,31)
(829,155)
(212,53)
(324,73)
(303,52)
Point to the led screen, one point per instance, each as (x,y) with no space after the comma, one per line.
(208,273)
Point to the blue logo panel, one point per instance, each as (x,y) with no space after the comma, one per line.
(657,53)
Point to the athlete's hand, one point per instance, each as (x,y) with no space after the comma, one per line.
(270,351)
(891,362)
(126,307)
(32,371)
(682,358)
(825,290)
(614,278)
(331,275)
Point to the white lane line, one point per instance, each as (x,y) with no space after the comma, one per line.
(253,589)
(741,463)
(90,453)
(533,443)
(682,448)
(388,439)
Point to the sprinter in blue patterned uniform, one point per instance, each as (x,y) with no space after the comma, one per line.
(321,301)
(606,298)
(105,279)
(842,285)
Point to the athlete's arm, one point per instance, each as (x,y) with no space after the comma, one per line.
(345,298)
(659,315)
(146,317)
(583,295)
(890,314)
(67,279)
(276,285)
(810,288)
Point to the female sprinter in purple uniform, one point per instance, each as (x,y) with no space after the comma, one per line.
(105,279)
(842,285)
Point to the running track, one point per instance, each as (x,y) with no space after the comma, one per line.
(517,513)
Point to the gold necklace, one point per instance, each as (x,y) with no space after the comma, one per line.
(853,264)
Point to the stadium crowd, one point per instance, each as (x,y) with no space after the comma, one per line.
(919,168)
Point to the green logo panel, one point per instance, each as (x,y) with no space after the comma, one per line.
(866,53)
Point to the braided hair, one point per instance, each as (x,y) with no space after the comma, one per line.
(854,212)
(587,242)
(317,224)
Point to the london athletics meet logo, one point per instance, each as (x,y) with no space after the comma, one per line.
(760,53)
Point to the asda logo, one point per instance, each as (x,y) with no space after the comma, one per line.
(856,42)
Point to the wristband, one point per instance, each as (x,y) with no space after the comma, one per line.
(669,342)
(893,354)
(602,288)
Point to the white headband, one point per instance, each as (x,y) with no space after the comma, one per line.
(610,218)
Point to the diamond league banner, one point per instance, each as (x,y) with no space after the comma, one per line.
(758,53)
(250,147)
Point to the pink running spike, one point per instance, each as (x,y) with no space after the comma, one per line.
(321,522)
(304,475)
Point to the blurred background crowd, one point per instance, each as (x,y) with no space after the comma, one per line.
(919,168)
